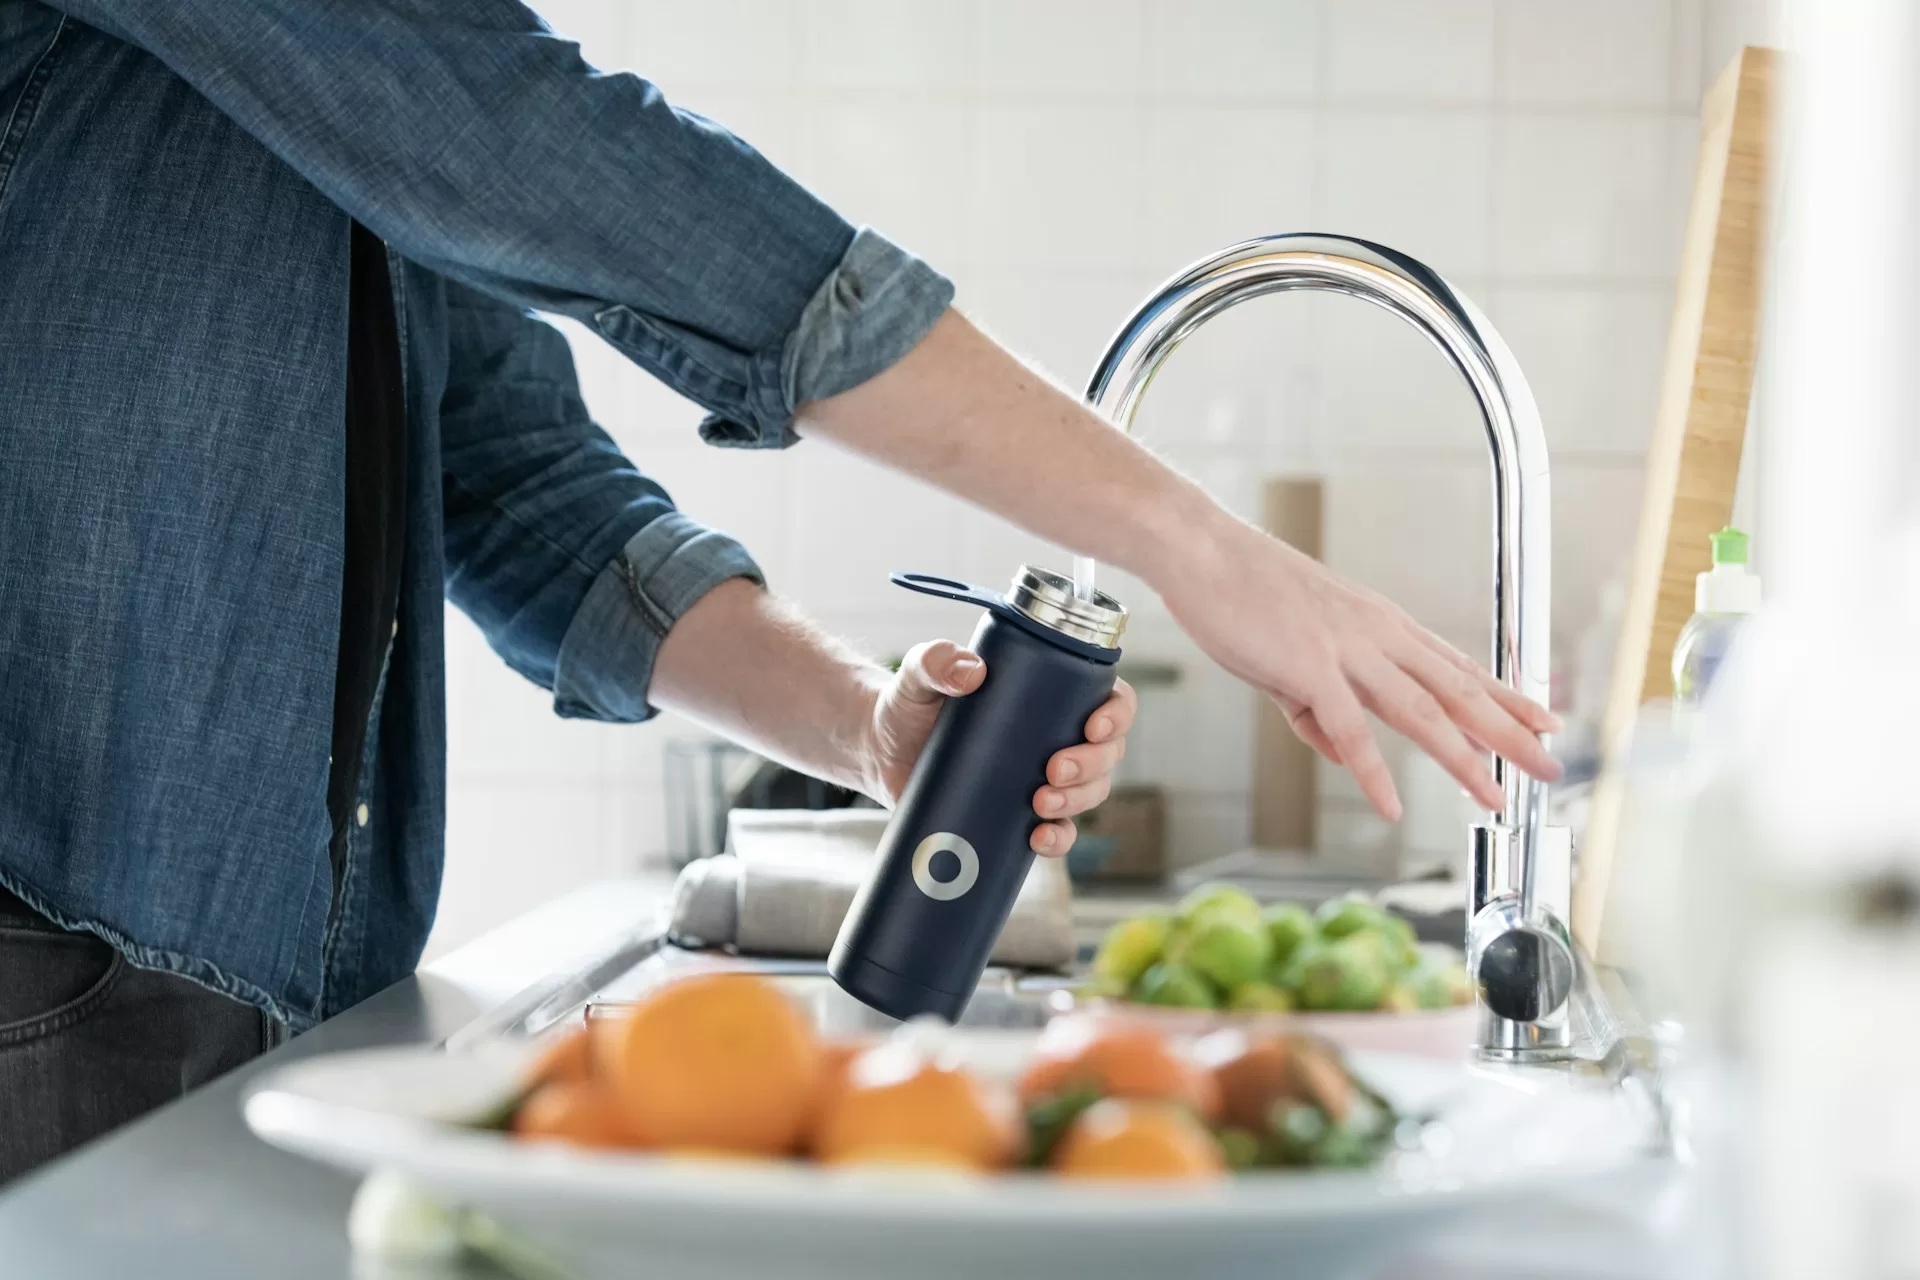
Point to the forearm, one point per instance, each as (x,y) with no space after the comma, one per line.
(962,413)
(752,669)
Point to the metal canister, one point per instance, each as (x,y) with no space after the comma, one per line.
(958,848)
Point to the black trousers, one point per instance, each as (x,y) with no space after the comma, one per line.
(89,1042)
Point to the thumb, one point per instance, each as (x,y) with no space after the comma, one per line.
(939,669)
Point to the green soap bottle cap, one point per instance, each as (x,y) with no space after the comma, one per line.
(1729,546)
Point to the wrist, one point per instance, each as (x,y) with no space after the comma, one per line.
(856,733)
(1182,532)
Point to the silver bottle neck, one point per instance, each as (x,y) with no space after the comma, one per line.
(1048,599)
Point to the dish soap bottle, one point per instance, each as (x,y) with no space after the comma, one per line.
(1723,598)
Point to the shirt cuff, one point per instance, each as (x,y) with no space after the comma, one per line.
(872,308)
(607,656)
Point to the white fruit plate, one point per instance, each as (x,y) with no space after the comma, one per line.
(1499,1140)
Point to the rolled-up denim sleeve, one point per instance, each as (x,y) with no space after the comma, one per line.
(478,143)
(606,658)
(572,563)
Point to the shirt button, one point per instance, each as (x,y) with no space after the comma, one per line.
(360,815)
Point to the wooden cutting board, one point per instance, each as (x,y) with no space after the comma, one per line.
(1693,460)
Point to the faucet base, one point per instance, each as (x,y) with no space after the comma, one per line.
(1526,1057)
(1504,1040)
(1520,955)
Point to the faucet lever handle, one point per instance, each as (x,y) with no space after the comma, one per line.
(1524,974)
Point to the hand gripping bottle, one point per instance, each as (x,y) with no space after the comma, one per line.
(953,858)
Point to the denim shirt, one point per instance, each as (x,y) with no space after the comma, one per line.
(176,188)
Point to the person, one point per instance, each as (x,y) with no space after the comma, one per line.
(274,387)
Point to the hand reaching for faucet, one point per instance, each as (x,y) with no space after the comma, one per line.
(961,412)
(1328,650)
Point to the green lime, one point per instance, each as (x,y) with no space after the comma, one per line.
(1260,997)
(1338,917)
(1289,927)
(1403,948)
(1288,974)
(1227,951)
(1428,979)
(1400,998)
(1440,978)
(1459,984)
(1174,985)
(1213,899)
(1350,974)
(1130,947)
(1179,944)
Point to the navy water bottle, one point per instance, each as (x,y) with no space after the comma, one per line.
(953,858)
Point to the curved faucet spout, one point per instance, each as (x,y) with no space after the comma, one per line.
(1518,947)
(1522,528)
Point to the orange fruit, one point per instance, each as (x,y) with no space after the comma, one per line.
(898,1105)
(570,1057)
(1254,1072)
(1139,1138)
(582,1113)
(715,1155)
(1322,1077)
(836,1056)
(1133,1138)
(720,1060)
(916,1158)
(1122,1058)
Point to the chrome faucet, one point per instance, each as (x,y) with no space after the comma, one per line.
(1519,950)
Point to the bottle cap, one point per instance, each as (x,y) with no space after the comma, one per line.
(1728,587)
(1048,598)
(1729,546)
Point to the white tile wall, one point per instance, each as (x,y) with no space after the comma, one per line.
(1420,51)
(1263,50)
(1592,356)
(1058,185)
(1614,54)
(1221,174)
(1058,158)
(1419,180)
(1585,194)
(909,164)
(1424,408)
(912,46)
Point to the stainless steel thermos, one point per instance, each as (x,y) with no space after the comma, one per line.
(956,852)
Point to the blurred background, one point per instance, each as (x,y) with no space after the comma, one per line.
(1059,158)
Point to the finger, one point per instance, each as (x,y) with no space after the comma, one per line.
(1088,760)
(1306,728)
(1052,839)
(1345,723)
(1114,716)
(1515,703)
(1064,802)
(1487,722)
(1398,699)
(938,669)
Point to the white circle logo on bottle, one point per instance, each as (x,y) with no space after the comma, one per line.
(945,890)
